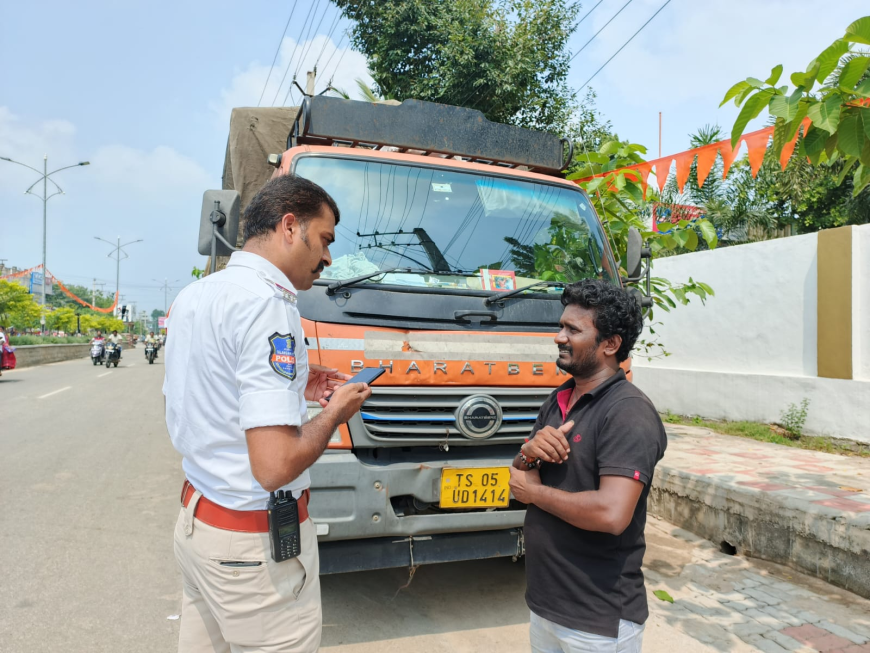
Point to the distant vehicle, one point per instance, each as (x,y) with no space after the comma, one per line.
(113,354)
(150,352)
(98,352)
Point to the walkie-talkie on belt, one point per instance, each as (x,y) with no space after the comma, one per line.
(284,526)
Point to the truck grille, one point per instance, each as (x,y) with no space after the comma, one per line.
(420,415)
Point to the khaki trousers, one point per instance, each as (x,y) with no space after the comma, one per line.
(273,607)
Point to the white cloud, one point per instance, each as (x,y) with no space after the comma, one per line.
(151,193)
(161,170)
(340,65)
(28,143)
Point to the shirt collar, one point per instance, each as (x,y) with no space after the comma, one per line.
(263,267)
(597,390)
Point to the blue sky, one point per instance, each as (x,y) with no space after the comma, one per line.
(143,91)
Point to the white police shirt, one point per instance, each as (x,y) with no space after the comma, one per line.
(235,360)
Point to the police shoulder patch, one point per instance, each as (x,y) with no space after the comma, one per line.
(282,354)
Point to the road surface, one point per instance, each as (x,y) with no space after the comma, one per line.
(90,483)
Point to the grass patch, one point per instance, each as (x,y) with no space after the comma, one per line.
(15,341)
(773,434)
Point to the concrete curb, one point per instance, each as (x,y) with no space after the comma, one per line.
(30,355)
(818,540)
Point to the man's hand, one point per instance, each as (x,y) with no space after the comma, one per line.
(524,484)
(549,444)
(346,401)
(322,382)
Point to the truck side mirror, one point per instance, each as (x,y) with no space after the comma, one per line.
(633,254)
(219,223)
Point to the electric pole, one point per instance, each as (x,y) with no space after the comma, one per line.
(94,291)
(116,253)
(44,178)
(165,288)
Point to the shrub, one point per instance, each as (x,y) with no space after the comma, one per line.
(16,341)
(793,418)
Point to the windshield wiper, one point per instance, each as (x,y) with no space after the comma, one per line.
(335,286)
(501,295)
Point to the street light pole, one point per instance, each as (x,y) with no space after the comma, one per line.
(117,250)
(44,177)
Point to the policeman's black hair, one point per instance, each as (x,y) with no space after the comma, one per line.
(617,311)
(283,195)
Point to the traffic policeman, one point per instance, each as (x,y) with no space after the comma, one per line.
(237,386)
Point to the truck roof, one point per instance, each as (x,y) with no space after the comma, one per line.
(423,131)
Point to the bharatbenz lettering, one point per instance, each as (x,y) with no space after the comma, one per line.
(445,219)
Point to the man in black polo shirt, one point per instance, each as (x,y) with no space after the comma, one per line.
(585,476)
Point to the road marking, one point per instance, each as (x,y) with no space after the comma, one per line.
(130,365)
(99,376)
(55,392)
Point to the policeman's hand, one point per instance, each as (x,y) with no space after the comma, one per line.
(550,444)
(524,484)
(346,401)
(322,381)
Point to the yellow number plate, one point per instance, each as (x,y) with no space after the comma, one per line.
(477,487)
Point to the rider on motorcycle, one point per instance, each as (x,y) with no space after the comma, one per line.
(152,340)
(98,338)
(115,339)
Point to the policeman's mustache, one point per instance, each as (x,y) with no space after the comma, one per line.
(319,268)
(566,348)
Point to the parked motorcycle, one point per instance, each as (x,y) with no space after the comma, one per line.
(113,354)
(98,353)
(150,352)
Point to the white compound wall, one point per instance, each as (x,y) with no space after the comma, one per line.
(752,350)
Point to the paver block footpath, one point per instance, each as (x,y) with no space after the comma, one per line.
(818,638)
(855,638)
(719,606)
(805,509)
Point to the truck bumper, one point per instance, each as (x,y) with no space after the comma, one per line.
(385,552)
(350,500)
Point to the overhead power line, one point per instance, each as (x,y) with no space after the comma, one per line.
(599,31)
(310,40)
(277,52)
(328,39)
(304,50)
(667,2)
(290,60)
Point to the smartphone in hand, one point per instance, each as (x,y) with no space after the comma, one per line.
(366,375)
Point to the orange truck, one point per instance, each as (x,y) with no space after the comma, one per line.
(457,236)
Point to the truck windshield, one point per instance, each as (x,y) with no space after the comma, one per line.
(473,231)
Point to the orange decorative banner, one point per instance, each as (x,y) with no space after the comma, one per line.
(64,289)
(83,302)
(756,145)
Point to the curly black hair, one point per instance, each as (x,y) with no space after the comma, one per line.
(617,311)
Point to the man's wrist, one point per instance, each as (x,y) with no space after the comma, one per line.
(528,462)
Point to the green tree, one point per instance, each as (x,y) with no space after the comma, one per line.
(61,319)
(59,299)
(507,58)
(618,195)
(18,308)
(839,134)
